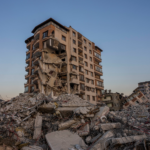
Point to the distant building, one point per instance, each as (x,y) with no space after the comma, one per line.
(144,87)
(135,98)
(112,100)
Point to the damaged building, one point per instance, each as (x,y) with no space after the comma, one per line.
(135,98)
(60,60)
(112,100)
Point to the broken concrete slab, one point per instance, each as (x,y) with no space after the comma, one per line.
(109,126)
(63,140)
(37,127)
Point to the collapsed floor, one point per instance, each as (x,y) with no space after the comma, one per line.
(36,121)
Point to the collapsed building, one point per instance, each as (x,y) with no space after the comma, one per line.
(61,60)
(144,87)
(112,100)
(135,98)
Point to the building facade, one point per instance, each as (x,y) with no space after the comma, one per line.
(61,60)
(112,100)
(144,87)
(135,98)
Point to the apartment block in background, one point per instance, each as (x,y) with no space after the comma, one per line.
(144,87)
(61,60)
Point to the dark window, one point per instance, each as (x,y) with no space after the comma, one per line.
(81,77)
(86,64)
(92,74)
(74,42)
(63,47)
(93,98)
(84,41)
(82,87)
(63,38)
(45,34)
(92,81)
(81,69)
(74,67)
(85,48)
(87,80)
(74,58)
(85,56)
(74,34)
(91,66)
(86,72)
(90,44)
(90,58)
(74,50)
(88,97)
(90,51)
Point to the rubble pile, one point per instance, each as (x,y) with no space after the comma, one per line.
(36,121)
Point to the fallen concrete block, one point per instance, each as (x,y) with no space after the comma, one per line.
(32,148)
(103,111)
(63,140)
(100,143)
(109,126)
(127,139)
(37,127)
(66,124)
(85,131)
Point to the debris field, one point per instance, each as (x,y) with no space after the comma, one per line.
(39,122)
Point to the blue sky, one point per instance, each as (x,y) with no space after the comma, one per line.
(120,27)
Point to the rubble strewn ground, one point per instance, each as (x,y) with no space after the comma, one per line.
(35,121)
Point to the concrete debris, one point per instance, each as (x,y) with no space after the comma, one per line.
(36,121)
(64,140)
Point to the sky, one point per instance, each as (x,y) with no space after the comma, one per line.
(120,27)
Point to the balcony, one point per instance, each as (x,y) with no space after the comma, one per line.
(82,88)
(97,55)
(81,61)
(80,52)
(35,62)
(35,80)
(27,68)
(98,63)
(36,90)
(80,44)
(81,78)
(26,84)
(79,36)
(37,53)
(36,70)
(36,38)
(74,80)
(27,76)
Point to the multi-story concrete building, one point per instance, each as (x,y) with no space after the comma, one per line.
(61,60)
(135,98)
(144,87)
(112,100)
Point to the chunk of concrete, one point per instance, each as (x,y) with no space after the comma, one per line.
(103,111)
(100,144)
(38,127)
(127,139)
(66,124)
(63,140)
(32,148)
(109,126)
